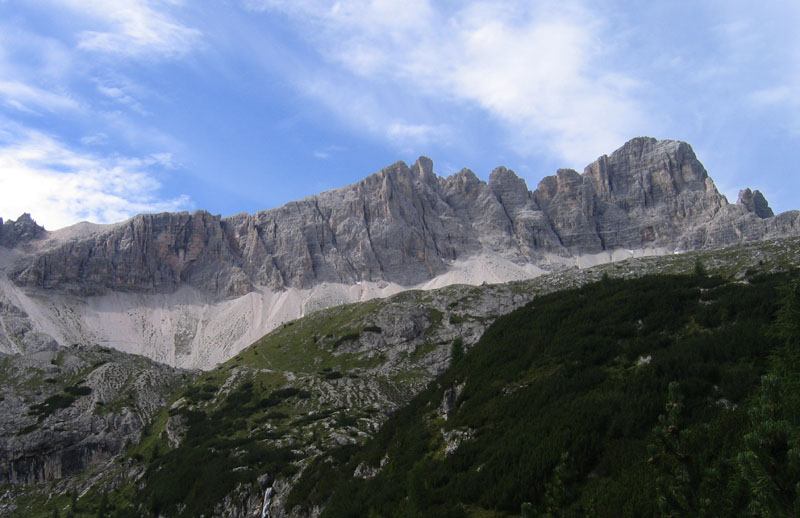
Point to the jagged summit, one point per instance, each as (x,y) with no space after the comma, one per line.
(401,227)
(404,225)
(23,229)
(755,202)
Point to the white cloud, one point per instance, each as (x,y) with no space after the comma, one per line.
(540,69)
(328,151)
(134,28)
(125,92)
(59,186)
(27,98)
(98,139)
(414,132)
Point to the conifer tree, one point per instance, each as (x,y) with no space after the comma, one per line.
(101,510)
(556,498)
(770,465)
(786,360)
(670,458)
(527,510)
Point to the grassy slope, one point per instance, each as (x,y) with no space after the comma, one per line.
(566,375)
(240,414)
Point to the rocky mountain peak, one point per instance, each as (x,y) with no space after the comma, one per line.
(503,177)
(22,230)
(646,169)
(509,188)
(406,225)
(400,227)
(423,168)
(465,176)
(755,202)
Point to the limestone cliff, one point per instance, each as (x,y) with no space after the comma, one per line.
(193,289)
(405,224)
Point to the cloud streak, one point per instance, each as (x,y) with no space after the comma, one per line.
(537,71)
(134,28)
(59,186)
(29,98)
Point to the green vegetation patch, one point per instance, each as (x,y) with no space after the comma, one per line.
(51,404)
(78,390)
(59,401)
(310,342)
(562,400)
(222,448)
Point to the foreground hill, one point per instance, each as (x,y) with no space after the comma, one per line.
(280,426)
(192,290)
(622,398)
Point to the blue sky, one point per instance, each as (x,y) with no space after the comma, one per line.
(110,108)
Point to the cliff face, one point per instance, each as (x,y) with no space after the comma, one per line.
(55,426)
(405,224)
(150,252)
(646,194)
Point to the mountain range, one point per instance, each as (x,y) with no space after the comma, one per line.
(192,290)
(505,351)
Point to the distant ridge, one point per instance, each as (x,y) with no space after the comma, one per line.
(405,225)
(193,289)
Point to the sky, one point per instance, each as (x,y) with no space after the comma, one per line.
(112,108)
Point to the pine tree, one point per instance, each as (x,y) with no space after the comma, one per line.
(787,321)
(527,511)
(700,270)
(101,510)
(786,360)
(770,466)
(556,495)
(556,498)
(670,458)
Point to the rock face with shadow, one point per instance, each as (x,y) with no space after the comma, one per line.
(406,224)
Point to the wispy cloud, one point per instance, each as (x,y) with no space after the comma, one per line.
(31,99)
(537,70)
(59,186)
(134,28)
(124,92)
(97,139)
(416,133)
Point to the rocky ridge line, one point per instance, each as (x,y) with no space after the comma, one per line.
(406,225)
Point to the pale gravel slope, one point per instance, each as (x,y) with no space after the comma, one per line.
(187,329)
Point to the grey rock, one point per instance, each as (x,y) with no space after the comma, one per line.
(39,445)
(755,202)
(449,400)
(405,224)
(19,334)
(23,230)
(454,438)
(150,253)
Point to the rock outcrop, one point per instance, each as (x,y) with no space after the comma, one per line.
(75,408)
(405,225)
(755,202)
(22,230)
(148,253)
